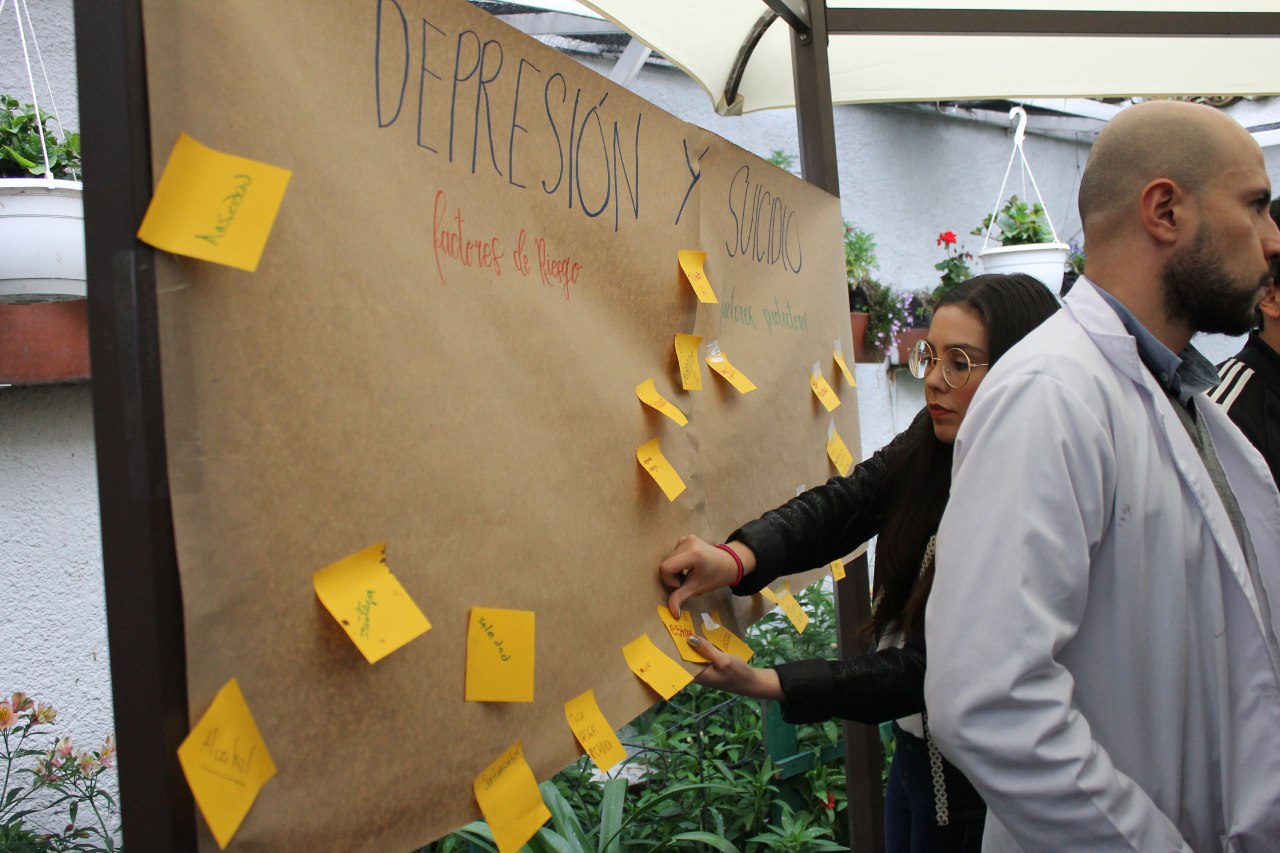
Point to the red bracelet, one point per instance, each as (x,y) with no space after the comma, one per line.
(736,559)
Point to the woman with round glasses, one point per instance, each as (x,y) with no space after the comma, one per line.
(898,493)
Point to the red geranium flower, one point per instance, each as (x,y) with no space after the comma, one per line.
(830,802)
(946,238)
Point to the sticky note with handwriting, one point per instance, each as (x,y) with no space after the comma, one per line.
(837,569)
(650,457)
(838,451)
(724,639)
(654,668)
(508,795)
(821,389)
(719,362)
(226,762)
(649,395)
(214,206)
(790,606)
(500,655)
(687,357)
(369,603)
(844,366)
(692,263)
(593,731)
(681,630)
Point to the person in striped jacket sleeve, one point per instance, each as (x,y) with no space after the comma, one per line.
(1249,384)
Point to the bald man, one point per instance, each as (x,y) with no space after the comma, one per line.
(1103,663)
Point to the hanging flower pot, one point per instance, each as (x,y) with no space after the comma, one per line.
(41,240)
(1028,242)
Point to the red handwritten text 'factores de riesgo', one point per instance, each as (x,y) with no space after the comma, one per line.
(452,243)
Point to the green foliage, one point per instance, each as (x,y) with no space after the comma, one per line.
(888,314)
(859,254)
(954,268)
(795,834)
(20,153)
(1018,224)
(45,780)
(783,160)
(1075,259)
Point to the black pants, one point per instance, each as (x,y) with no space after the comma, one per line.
(910,814)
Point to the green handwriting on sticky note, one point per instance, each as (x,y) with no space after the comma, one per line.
(692,263)
(214,206)
(593,731)
(225,762)
(508,795)
(650,457)
(681,630)
(687,356)
(500,655)
(369,603)
(654,668)
(649,395)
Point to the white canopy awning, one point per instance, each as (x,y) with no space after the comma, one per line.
(926,50)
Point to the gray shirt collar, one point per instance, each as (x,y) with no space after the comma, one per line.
(1181,375)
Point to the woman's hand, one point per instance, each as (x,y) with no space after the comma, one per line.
(695,567)
(733,674)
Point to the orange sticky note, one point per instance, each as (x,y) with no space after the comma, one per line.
(593,731)
(369,603)
(837,570)
(821,389)
(692,263)
(838,452)
(500,655)
(724,639)
(687,356)
(508,795)
(795,613)
(649,395)
(718,362)
(681,630)
(651,459)
(214,206)
(844,367)
(226,762)
(654,668)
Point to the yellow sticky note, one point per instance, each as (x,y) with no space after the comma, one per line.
(681,630)
(651,459)
(795,613)
(225,762)
(649,395)
(692,263)
(593,731)
(654,668)
(769,594)
(838,451)
(687,356)
(214,206)
(369,603)
(500,655)
(510,800)
(837,569)
(724,639)
(720,364)
(844,366)
(822,390)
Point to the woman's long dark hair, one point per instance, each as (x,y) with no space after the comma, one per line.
(1009,307)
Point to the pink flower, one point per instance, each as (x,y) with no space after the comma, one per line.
(45,714)
(21,701)
(61,750)
(108,754)
(946,238)
(8,719)
(84,761)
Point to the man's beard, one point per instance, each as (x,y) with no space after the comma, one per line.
(1199,291)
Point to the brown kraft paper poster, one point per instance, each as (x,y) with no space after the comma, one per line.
(474,265)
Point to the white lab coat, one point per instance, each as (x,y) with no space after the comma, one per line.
(1098,663)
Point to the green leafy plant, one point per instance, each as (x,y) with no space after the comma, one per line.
(783,160)
(1075,259)
(21,155)
(954,268)
(859,261)
(888,314)
(1018,224)
(45,779)
(795,833)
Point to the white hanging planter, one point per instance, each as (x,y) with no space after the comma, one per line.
(1044,261)
(41,240)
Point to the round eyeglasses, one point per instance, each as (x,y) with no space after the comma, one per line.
(956,364)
